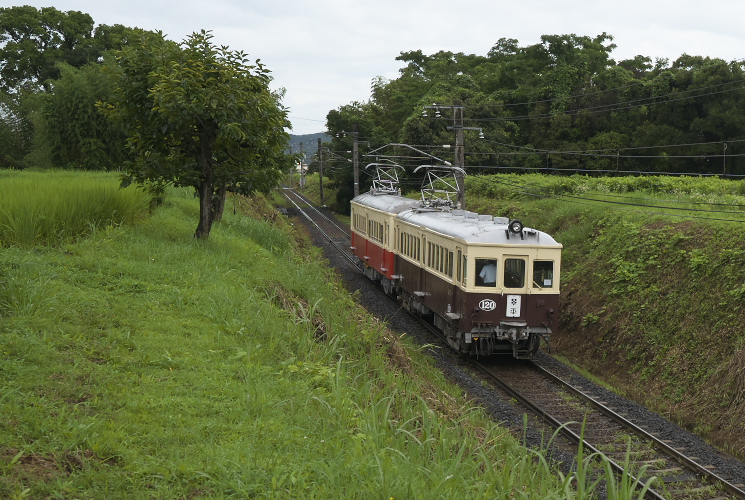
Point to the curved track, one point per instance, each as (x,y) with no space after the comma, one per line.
(580,417)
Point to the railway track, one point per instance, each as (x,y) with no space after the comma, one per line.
(327,227)
(634,454)
(628,449)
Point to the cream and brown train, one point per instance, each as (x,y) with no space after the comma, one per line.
(489,284)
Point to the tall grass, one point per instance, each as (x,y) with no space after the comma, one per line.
(54,207)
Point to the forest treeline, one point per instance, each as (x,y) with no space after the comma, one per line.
(50,80)
(563,105)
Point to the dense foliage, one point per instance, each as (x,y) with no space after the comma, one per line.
(50,79)
(201,116)
(562,105)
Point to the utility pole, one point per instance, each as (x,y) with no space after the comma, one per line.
(355,156)
(320,170)
(460,159)
(724,160)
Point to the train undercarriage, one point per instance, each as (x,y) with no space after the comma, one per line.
(514,338)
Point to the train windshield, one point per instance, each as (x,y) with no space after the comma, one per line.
(543,274)
(514,273)
(486,272)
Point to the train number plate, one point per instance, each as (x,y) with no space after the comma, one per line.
(487,305)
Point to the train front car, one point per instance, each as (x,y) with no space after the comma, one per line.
(491,285)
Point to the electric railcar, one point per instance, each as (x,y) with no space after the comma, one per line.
(490,284)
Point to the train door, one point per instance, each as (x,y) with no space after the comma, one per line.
(514,282)
(459,280)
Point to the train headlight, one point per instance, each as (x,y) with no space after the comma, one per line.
(515,226)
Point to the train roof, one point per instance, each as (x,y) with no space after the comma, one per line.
(468,226)
(389,203)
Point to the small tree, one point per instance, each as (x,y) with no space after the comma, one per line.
(201,116)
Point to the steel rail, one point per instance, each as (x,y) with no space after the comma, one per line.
(562,427)
(677,455)
(342,250)
(324,216)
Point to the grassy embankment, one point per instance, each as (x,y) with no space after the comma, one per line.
(652,304)
(140,363)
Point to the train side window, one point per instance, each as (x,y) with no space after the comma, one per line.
(459,270)
(514,273)
(543,274)
(486,272)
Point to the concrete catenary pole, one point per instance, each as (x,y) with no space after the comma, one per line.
(459,151)
(355,156)
(320,171)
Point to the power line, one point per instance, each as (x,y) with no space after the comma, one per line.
(593,94)
(594,152)
(602,171)
(575,199)
(607,107)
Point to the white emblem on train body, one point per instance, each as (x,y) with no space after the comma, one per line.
(513,306)
(487,305)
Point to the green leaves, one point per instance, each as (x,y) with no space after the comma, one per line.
(198,115)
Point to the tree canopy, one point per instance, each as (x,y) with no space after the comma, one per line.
(198,115)
(563,105)
(34,41)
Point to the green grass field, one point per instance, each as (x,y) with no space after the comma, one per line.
(141,363)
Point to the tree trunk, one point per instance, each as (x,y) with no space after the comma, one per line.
(205,209)
(206,184)
(219,202)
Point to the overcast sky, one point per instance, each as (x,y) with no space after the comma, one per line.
(326,53)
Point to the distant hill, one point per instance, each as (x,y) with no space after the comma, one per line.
(309,141)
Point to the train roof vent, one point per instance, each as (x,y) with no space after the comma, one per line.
(501,220)
(486,218)
(471,215)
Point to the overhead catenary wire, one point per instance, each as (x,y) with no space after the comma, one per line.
(595,109)
(595,202)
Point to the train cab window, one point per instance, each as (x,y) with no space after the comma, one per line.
(543,274)
(465,270)
(486,272)
(514,273)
